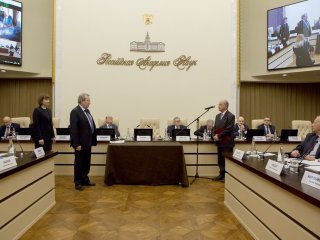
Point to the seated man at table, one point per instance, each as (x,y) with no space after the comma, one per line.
(240,128)
(309,149)
(8,127)
(176,125)
(206,128)
(269,129)
(109,124)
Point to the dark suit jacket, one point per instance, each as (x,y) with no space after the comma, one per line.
(303,58)
(16,127)
(115,127)
(224,128)
(42,124)
(307,145)
(80,130)
(171,127)
(201,130)
(284,32)
(304,28)
(236,130)
(271,128)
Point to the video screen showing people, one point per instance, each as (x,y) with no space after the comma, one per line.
(293,35)
(10,32)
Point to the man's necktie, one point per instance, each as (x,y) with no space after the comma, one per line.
(87,112)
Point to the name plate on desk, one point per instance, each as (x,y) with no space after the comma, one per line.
(274,167)
(7,162)
(105,138)
(23,137)
(311,179)
(182,138)
(294,139)
(259,138)
(63,137)
(39,152)
(238,154)
(144,138)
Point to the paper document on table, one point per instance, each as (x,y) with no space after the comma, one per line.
(313,168)
(310,163)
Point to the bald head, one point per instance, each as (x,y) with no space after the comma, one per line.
(240,120)
(223,105)
(316,125)
(6,121)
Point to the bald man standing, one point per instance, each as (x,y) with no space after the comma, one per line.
(223,135)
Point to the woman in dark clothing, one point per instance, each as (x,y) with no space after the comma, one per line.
(42,124)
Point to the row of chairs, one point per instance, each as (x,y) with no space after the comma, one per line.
(303,126)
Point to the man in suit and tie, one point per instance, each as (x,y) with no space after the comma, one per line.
(176,125)
(303,26)
(109,124)
(8,127)
(309,149)
(284,32)
(206,128)
(240,128)
(269,129)
(83,136)
(223,135)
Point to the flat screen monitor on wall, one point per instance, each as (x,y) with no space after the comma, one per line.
(10,32)
(293,35)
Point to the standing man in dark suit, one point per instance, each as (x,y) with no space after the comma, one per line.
(206,128)
(309,149)
(269,129)
(223,135)
(83,136)
(109,124)
(303,26)
(8,127)
(240,128)
(284,32)
(176,125)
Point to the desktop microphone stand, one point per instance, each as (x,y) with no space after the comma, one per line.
(197,162)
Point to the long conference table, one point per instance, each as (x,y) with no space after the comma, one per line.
(27,192)
(271,206)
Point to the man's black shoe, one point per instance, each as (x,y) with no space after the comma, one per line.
(90,184)
(219,178)
(79,187)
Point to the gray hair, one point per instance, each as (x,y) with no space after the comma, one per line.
(176,118)
(82,97)
(210,121)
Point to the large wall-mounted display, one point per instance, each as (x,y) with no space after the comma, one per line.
(10,32)
(293,35)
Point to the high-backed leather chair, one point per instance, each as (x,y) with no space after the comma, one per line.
(23,121)
(303,126)
(56,122)
(152,123)
(255,123)
(101,121)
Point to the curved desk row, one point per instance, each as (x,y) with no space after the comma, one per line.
(207,155)
(27,193)
(271,206)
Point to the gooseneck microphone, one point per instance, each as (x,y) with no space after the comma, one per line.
(138,126)
(268,148)
(207,108)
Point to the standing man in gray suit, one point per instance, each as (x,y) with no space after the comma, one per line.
(223,135)
(83,136)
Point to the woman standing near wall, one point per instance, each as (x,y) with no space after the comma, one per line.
(42,123)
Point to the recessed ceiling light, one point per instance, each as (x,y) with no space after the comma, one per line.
(284,75)
(2,70)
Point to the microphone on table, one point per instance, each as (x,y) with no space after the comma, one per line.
(208,108)
(138,126)
(268,148)
(148,126)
